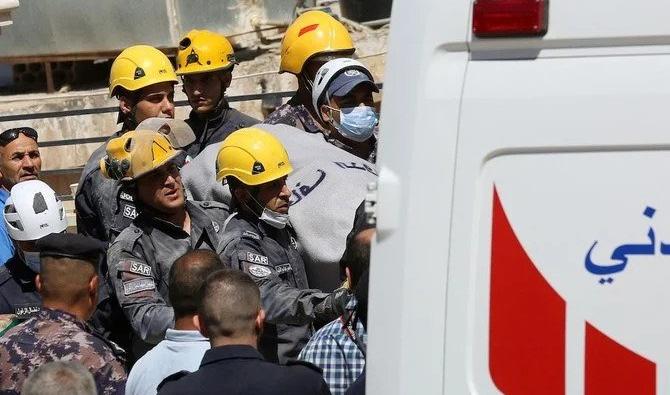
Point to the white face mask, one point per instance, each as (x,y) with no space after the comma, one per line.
(32,260)
(274,219)
(270,217)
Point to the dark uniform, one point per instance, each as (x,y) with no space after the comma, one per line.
(18,295)
(295,114)
(239,369)
(140,259)
(56,335)
(103,206)
(272,259)
(216,129)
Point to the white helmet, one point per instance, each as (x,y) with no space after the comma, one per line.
(329,71)
(33,211)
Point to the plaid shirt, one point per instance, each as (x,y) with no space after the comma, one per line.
(333,349)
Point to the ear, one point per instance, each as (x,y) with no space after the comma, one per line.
(38,283)
(125,104)
(325,113)
(347,273)
(198,322)
(260,319)
(226,79)
(93,288)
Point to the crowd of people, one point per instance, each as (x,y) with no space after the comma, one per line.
(203,258)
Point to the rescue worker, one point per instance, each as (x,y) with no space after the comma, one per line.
(205,61)
(260,241)
(167,226)
(342,99)
(68,284)
(20,160)
(31,212)
(310,41)
(143,80)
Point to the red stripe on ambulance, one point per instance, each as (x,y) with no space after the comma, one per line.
(527,319)
(613,369)
(527,335)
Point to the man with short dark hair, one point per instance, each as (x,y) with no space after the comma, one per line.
(68,283)
(19,161)
(143,80)
(183,346)
(58,377)
(230,314)
(339,347)
(205,62)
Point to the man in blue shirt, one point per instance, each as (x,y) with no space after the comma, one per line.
(183,346)
(19,161)
(339,347)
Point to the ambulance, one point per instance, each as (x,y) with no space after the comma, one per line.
(523,202)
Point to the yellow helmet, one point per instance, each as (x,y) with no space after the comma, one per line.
(139,66)
(136,153)
(312,33)
(253,156)
(202,51)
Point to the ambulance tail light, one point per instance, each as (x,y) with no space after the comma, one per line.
(509,18)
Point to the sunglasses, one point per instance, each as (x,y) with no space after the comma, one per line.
(10,135)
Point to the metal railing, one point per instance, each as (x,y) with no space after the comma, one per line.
(105,110)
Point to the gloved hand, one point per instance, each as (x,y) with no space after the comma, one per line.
(341,297)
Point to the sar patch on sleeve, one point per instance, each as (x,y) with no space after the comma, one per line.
(259,271)
(136,267)
(257,258)
(138,285)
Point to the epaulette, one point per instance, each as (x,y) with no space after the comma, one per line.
(209,204)
(294,362)
(171,378)
(128,237)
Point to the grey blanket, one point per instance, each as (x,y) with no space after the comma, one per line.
(327,183)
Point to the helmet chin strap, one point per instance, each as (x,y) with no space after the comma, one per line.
(260,207)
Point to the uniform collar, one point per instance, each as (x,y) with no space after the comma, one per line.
(221,111)
(153,219)
(310,124)
(177,335)
(60,315)
(222,353)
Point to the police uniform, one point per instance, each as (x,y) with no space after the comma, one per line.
(59,335)
(216,129)
(56,335)
(272,258)
(104,208)
(240,369)
(140,259)
(18,295)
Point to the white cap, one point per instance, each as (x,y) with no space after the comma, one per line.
(330,71)
(33,211)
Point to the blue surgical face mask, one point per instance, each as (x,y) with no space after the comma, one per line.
(357,123)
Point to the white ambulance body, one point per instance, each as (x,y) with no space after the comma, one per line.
(524,200)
